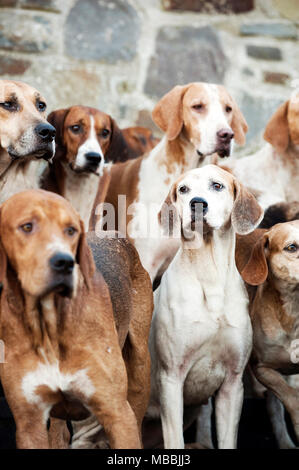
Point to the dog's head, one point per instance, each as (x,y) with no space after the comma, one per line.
(205,114)
(278,251)
(282,130)
(213,198)
(43,240)
(86,137)
(24,131)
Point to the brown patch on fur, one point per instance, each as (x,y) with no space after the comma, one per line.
(246,212)
(277,130)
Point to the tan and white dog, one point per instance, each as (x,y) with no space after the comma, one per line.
(201,335)
(26,138)
(198,119)
(274,267)
(273,172)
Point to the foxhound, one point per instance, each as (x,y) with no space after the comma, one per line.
(63,327)
(273,266)
(201,335)
(86,138)
(198,119)
(273,172)
(26,138)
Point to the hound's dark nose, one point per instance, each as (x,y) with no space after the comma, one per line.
(199,200)
(46,132)
(93,157)
(62,263)
(225,135)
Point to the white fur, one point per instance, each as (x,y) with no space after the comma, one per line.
(91,144)
(213,122)
(51,376)
(80,190)
(155,182)
(201,335)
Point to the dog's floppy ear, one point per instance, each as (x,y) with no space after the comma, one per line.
(3,262)
(255,271)
(168,215)
(238,125)
(277,130)
(85,258)
(57,118)
(168,112)
(246,213)
(118,148)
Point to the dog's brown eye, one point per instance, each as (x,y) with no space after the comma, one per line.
(184,189)
(198,107)
(292,248)
(27,227)
(70,231)
(217,186)
(228,109)
(75,128)
(105,133)
(41,106)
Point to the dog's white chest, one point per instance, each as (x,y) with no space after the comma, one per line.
(49,375)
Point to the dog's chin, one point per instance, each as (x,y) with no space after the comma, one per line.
(87,169)
(63,288)
(223,151)
(45,153)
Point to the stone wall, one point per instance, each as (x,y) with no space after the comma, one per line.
(122,55)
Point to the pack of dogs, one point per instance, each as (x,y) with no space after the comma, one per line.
(115,338)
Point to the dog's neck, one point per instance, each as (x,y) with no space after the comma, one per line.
(79,189)
(162,166)
(19,175)
(288,295)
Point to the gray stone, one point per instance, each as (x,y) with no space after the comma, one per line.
(257,111)
(185,55)
(212,6)
(46,5)
(27,34)
(103,31)
(277,30)
(264,52)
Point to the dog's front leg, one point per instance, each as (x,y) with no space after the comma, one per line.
(279,425)
(119,423)
(172,409)
(229,400)
(31,430)
(204,425)
(288,395)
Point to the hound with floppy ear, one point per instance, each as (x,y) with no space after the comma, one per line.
(198,119)
(26,138)
(63,358)
(201,334)
(85,139)
(273,172)
(273,266)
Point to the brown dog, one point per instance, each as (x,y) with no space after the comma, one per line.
(63,358)
(273,266)
(26,138)
(86,138)
(132,300)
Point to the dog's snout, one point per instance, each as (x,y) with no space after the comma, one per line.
(46,132)
(225,135)
(93,157)
(62,263)
(196,201)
